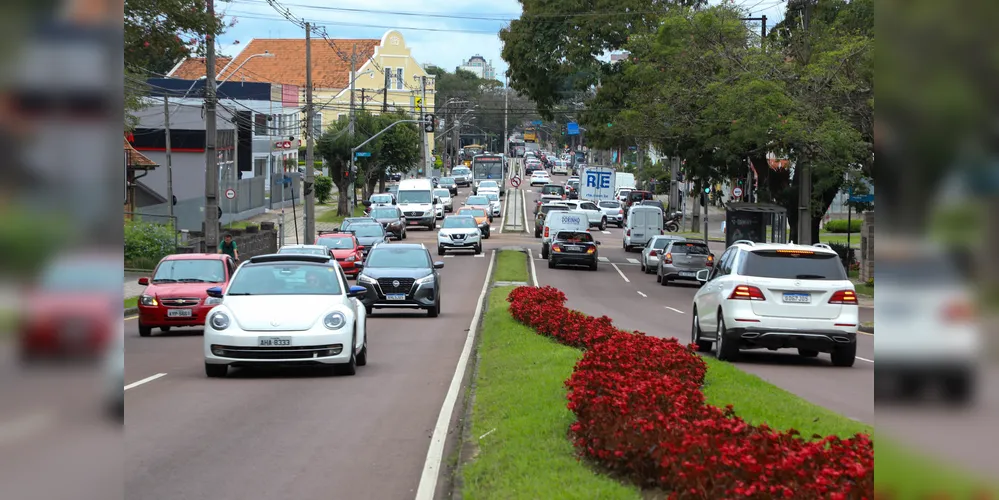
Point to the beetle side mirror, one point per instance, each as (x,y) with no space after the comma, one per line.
(357,291)
(215,291)
(702,275)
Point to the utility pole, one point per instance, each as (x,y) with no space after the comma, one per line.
(212,222)
(506,116)
(362,98)
(350,130)
(308,191)
(388,81)
(802,170)
(169,155)
(674,182)
(423,134)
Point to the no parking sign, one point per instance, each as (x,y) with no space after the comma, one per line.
(515,181)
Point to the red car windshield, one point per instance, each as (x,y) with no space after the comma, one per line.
(190,271)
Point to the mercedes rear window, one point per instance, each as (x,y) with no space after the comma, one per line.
(793,264)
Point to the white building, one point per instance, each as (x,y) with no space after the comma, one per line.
(480,67)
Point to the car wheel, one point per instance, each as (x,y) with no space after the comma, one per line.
(695,335)
(403,234)
(362,357)
(440,250)
(544,252)
(350,367)
(593,266)
(959,388)
(216,371)
(643,267)
(478,249)
(145,331)
(164,329)
(808,353)
(724,351)
(435,311)
(844,355)
(486,236)
(368,310)
(663,281)
(603,224)
(551,263)
(620,225)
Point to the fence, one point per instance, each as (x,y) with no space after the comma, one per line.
(250,200)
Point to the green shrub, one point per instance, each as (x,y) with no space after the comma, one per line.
(839,226)
(147,243)
(323,187)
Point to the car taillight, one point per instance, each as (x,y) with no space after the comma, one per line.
(746,292)
(546,232)
(711,260)
(620,211)
(628,232)
(591,250)
(652,253)
(668,258)
(556,248)
(844,297)
(959,311)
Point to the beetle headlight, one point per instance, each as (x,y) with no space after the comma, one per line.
(334,320)
(219,320)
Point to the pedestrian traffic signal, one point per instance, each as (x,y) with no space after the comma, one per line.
(707,190)
(704,200)
(428,122)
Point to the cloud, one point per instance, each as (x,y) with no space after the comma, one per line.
(444,37)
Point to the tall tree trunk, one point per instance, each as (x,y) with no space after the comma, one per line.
(342,205)
(381,184)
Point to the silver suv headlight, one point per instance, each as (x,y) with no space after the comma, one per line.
(367,279)
(426,279)
(219,320)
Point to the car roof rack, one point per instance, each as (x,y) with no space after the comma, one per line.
(290,257)
(823,245)
(744,242)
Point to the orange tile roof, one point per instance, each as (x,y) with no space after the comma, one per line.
(137,159)
(329,69)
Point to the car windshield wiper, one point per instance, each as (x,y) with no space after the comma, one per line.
(192,280)
(810,277)
(164,280)
(240,293)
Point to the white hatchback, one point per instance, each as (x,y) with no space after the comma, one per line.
(287,310)
(774,296)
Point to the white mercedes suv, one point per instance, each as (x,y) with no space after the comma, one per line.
(774,296)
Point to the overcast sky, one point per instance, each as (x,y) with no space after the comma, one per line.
(442,36)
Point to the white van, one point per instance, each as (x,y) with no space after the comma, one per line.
(416,200)
(644,222)
(569,220)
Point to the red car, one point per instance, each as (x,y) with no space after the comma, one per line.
(345,249)
(73,310)
(177,295)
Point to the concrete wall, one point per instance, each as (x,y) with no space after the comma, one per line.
(250,244)
(867,247)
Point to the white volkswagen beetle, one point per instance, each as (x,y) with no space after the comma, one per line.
(287,310)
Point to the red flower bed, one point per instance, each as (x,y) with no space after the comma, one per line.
(640,412)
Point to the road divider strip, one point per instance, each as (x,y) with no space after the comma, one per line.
(618,269)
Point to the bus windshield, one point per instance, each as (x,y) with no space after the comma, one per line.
(487,167)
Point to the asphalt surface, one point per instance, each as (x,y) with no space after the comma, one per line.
(294,433)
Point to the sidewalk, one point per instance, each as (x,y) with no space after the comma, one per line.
(291,218)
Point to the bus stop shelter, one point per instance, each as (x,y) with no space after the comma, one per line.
(755,222)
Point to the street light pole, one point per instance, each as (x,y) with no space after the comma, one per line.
(308,191)
(211,154)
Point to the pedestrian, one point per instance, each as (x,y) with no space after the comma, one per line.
(228,247)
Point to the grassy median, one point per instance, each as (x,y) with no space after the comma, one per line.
(511,266)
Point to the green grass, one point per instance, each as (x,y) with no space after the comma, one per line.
(902,474)
(520,401)
(511,266)
(331,217)
(131,302)
(240,224)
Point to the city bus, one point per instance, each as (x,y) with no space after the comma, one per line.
(489,167)
(470,151)
(530,135)
(517,148)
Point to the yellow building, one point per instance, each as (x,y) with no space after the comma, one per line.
(376,62)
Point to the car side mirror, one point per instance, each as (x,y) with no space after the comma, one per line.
(437,201)
(215,291)
(356,291)
(144,281)
(393,201)
(439,265)
(361,248)
(702,275)
(597,243)
(359,265)
(366,203)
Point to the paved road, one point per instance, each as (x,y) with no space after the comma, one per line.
(295,434)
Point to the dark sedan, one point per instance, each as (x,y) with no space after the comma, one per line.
(391,219)
(450,184)
(401,276)
(368,235)
(354,220)
(575,248)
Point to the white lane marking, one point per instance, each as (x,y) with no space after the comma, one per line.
(481,255)
(528,190)
(605,232)
(144,381)
(603,259)
(674,309)
(24,427)
(449,256)
(435,453)
(534,270)
(618,269)
(633,261)
(524,204)
(865,359)
(642,294)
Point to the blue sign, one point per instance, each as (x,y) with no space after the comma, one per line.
(598,179)
(362,154)
(536,122)
(862,198)
(572,128)
(285,180)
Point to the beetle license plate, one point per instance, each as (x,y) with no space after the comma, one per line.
(396,296)
(274,341)
(798,298)
(180,313)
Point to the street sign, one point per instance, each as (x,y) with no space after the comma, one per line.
(515,182)
(572,128)
(419,104)
(862,198)
(362,154)
(737,192)
(598,184)
(230,194)
(536,122)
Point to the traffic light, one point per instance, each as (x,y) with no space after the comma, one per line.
(428,123)
(346,174)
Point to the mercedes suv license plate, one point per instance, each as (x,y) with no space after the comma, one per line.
(274,341)
(798,298)
(396,296)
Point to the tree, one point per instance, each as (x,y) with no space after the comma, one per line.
(552,53)
(398,148)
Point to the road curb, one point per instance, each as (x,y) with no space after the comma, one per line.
(131,311)
(866,329)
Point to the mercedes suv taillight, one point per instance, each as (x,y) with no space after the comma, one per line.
(844,297)
(746,292)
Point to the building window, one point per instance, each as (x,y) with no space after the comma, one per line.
(260,124)
(399,82)
(388,78)
(295,126)
(279,127)
(317,124)
(260,167)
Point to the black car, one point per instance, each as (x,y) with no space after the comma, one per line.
(448,182)
(401,276)
(391,219)
(349,221)
(368,235)
(576,248)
